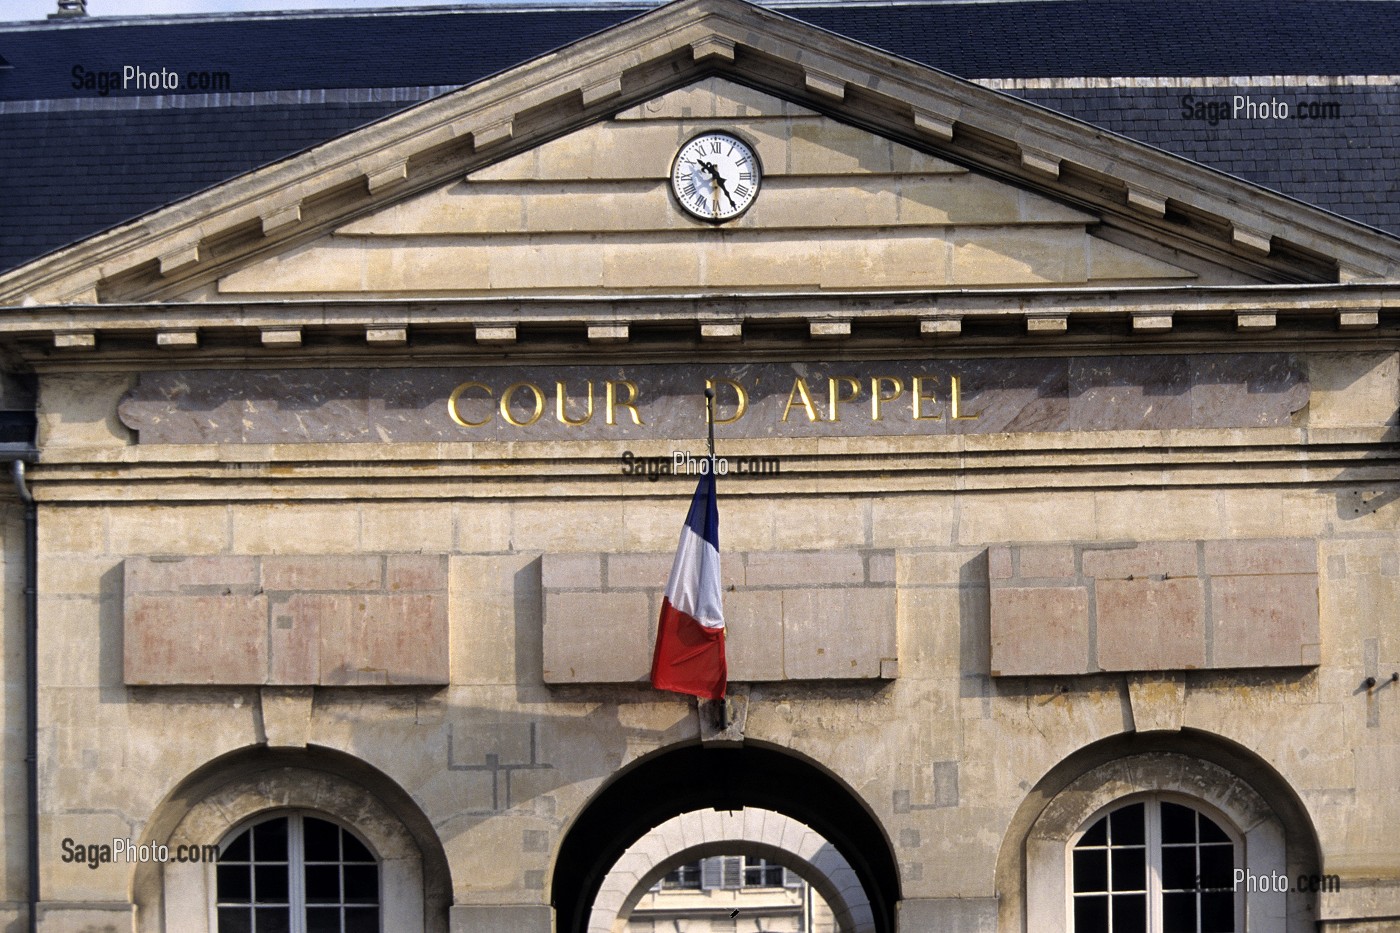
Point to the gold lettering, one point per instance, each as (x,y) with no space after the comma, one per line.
(631,404)
(799,387)
(833,394)
(456,396)
(741,406)
(920,398)
(955,402)
(510,392)
(877,398)
(561,395)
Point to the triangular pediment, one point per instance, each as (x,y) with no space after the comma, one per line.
(840,208)
(882,175)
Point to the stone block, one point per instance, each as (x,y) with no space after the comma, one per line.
(999,564)
(191,575)
(415,573)
(597,637)
(1158,558)
(571,571)
(804,568)
(381,639)
(504,918)
(1261,556)
(321,574)
(1150,625)
(1264,621)
(1040,630)
(753,637)
(294,641)
(169,529)
(1048,560)
(837,633)
(650,571)
(195,640)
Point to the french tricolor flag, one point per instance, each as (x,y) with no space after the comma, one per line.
(690,636)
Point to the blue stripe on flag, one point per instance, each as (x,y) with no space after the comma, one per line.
(703,518)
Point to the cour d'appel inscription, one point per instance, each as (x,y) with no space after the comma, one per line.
(816,399)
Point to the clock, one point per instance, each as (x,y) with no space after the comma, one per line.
(716,176)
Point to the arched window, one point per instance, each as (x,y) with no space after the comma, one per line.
(296,873)
(1155,865)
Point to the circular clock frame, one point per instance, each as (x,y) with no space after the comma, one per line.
(716,176)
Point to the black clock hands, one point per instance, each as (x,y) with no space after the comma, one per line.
(718,180)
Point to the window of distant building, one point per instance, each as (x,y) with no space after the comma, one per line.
(729,872)
(1155,865)
(296,873)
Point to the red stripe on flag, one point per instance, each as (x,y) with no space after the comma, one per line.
(689,657)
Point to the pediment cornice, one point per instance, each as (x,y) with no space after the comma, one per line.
(1129,185)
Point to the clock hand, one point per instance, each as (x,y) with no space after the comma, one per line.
(718,180)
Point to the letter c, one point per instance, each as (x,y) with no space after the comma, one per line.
(456,395)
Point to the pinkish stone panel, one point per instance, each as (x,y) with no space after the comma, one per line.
(195,639)
(321,574)
(190,575)
(1264,621)
(1039,630)
(1151,625)
(416,573)
(1261,556)
(1145,559)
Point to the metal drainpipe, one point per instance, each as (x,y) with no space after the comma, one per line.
(31,678)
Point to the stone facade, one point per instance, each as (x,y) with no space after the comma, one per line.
(953,648)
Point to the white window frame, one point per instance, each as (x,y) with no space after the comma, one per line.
(1153,840)
(1201,784)
(296,864)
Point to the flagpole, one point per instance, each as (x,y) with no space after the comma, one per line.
(723,710)
(710,418)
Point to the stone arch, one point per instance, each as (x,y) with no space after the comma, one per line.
(1218,776)
(227,793)
(751,831)
(696,778)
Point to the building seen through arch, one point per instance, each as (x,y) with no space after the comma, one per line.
(354,386)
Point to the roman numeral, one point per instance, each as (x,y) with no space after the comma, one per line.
(715,146)
(742,191)
(746,176)
(689,189)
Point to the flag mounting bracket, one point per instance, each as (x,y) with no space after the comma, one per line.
(722,722)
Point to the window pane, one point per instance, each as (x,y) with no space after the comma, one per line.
(323,884)
(1179,912)
(235,920)
(1178,823)
(323,920)
(1091,914)
(1217,866)
(1130,913)
(1210,832)
(1090,870)
(270,841)
(273,920)
(362,920)
(237,850)
(361,884)
(270,884)
(355,850)
(322,840)
(1178,868)
(1129,869)
(1218,913)
(1126,826)
(235,884)
(1097,834)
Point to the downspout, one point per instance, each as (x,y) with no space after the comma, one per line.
(31,679)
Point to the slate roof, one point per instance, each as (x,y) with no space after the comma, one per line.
(74,162)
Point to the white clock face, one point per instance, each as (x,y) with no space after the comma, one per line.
(716,176)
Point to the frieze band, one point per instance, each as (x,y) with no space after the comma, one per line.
(817,399)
